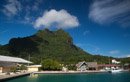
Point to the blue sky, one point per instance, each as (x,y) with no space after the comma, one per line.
(97,26)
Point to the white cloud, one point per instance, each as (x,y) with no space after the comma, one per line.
(114,52)
(12,7)
(108,11)
(62,19)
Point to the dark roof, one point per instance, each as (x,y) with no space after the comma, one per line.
(80,64)
(89,64)
(92,64)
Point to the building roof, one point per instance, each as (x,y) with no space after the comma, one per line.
(92,64)
(89,64)
(80,64)
(13,59)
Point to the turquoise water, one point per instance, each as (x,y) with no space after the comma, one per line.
(98,77)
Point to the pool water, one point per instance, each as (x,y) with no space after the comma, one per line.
(95,77)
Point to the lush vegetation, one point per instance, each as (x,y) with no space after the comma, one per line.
(45,44)
(49,64)
(125,60)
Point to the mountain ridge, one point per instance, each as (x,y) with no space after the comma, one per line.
(45,44)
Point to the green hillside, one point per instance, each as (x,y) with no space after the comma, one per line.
(57,45)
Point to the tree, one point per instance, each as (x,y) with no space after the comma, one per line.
(14,69)
(72,67)
(49,64)
(22,67)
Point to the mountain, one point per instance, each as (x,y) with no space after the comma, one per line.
(45,44)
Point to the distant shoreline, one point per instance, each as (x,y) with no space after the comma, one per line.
(67,72)
(71,72)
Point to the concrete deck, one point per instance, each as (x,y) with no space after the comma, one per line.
(68,72)
(7,77)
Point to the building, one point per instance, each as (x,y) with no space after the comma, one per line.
(33,68)
(92,65)
(7,62)
(108,66)
(84,66)
(126,66)
(6,66)
(115,61)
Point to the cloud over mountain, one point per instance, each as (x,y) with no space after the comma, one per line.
(61,19)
